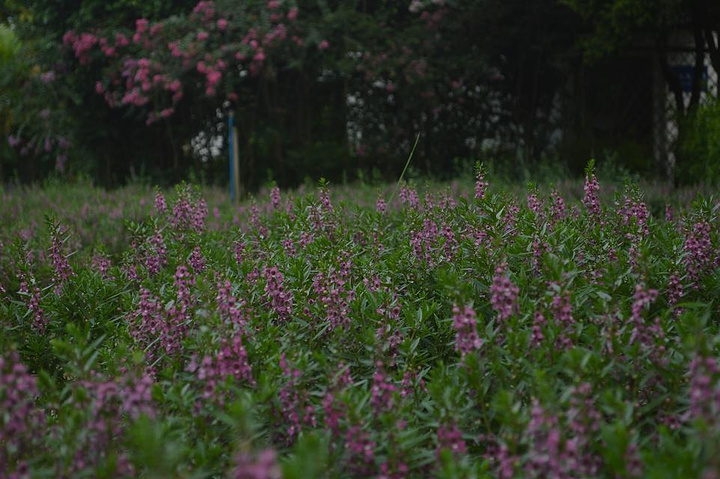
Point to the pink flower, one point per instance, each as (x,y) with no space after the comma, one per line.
(197,262)
(141,25)
(160,203)
(273,4)
(323,45)
(503,295)
(81,45)
(259,57)
(202,36)
(230,362)
(257,466)
(230,308)
(281,300)
(240,248)
(174,86)
(133,97)
(222,24)
(69,37)
(156,253)
(669,213)
(121,40)
(699,251)
(704,391)
(534,203)
(213,78)
(591,200)
(334,296)
(675,289)
(537,336)
(450,437)
(63,270)
(174,48)
(383,390)
(32,298)
(361,452)
(381,204)
(293,14)
(466,336)
(480,186)
(275,197)
(21,419)
(557,210)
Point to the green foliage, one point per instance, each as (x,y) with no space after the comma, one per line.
(9,44)
(613,24)
(700,151)
(316,336)
(390,70)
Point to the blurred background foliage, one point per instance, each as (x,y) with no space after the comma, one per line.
(340,88)
(702,144)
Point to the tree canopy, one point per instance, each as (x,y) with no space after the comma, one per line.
(119,88)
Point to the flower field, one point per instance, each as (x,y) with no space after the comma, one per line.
(440,332)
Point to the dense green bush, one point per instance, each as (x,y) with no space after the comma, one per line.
(700,149)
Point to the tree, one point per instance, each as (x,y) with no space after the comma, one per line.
(320,88)
(614,24)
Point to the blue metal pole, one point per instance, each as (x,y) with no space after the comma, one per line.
(231,125)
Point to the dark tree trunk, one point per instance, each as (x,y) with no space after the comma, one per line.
(699,65)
